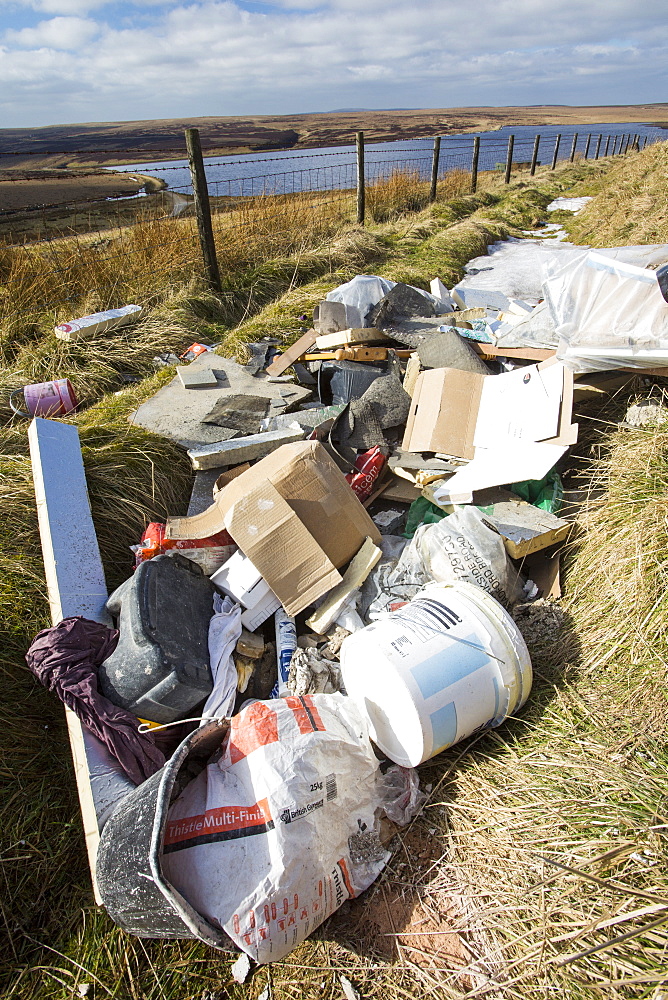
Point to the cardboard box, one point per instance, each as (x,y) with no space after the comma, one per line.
(295,517)
(443,412)
(447,414)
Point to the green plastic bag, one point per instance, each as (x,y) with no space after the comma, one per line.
(546,493)
(422,511)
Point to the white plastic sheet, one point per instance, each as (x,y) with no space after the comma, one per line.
(608,314)
(282,825)
(365,291)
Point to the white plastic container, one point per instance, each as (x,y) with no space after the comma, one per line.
(449,663)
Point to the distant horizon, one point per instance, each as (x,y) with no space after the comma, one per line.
(94,61)
(333,111)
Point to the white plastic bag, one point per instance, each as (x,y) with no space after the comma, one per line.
(281,827)
(360,295)
(461,547)
(607,314)
(400,794)
(224,630)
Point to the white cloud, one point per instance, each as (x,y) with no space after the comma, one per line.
(57,33)
(206,58)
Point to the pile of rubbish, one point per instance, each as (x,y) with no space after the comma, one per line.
(368,507)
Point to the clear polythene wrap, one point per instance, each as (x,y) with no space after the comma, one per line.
(607,314)
(281,827)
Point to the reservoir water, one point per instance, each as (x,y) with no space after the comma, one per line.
(323,169)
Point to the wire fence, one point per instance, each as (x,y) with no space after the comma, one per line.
(56,253)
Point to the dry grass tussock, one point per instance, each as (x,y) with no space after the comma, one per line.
(632,206)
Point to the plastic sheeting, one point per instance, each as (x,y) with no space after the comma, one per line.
(360,295)
(607,313)
(365,291)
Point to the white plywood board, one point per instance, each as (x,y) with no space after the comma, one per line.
(76,586)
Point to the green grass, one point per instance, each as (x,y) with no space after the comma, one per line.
(579,775)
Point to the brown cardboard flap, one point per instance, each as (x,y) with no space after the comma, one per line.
(445,409)
(443,412)
(268,531)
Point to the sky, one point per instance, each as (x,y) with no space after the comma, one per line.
(64,61)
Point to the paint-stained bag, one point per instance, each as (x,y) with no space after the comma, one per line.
(282,825)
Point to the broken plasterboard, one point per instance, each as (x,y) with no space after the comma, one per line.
(243,449)
(196,378)
(524,527)
(354,577)
(102,322)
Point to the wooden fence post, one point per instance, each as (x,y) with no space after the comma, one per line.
(573,146)
(360,178)
(509,158)
(556,151)
(434,168)
(614,146)
(202,207)
(587,144)
(598,146)
(607,145)
(534,157)
(474,164)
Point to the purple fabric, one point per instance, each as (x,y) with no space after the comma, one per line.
(65,659)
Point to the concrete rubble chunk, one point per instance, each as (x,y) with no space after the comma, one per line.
(385,404)
(438,348)
(201,496)
(645,413)
(330,317)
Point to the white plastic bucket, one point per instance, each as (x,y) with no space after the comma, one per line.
(449,663)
